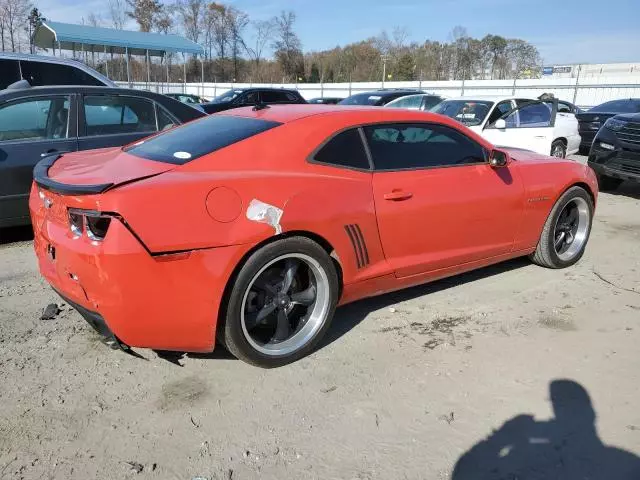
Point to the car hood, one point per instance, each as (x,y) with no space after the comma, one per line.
(95,171)
(630,117)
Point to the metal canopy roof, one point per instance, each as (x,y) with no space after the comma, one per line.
(68,36)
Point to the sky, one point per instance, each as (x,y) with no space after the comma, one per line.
(565,31)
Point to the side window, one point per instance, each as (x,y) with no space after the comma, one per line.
(564,108)
(45,73)
(165,119)
(251,98)
(531,115)
(269,96)
(344,150)
(430,101)
(499,111)
(412,146)
(9,72)
(110,114)
(35,119)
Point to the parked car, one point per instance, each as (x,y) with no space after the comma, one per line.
(42,120)
(187,98)
(592,120)
(517,122)
(244,236)
(241,97)
(325,100)
(377,98)
(615,152)
(422,101)
(40,70)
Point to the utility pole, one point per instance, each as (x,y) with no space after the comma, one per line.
(384,68)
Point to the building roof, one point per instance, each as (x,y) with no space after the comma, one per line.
(98,39)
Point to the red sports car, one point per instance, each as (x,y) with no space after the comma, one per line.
(251,226)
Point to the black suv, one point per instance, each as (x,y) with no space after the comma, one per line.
(41,120)
(377,98)
(615,152)
(589,122)
(242,97)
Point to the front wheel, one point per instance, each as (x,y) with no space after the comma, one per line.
(566,231)
(281,303)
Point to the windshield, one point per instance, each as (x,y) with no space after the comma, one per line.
(226,96)
(631,105)
(469,112)
(362,99)
(186,143)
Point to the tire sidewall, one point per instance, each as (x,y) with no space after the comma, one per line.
(567,197)
(232,331)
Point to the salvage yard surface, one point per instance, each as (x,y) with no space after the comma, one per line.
(403,386)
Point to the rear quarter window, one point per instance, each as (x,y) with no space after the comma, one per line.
(193,140)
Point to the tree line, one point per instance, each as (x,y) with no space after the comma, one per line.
(239,49)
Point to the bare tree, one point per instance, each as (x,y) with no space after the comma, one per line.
(117,14)
(94,20)
(144,12)
(14,14)
(237,21)
(191,13)
(287,45)
(218,28)
(263,34)
(164,20)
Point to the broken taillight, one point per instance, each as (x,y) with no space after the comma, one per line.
(94,224)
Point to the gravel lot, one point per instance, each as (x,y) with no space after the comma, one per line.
(404,386)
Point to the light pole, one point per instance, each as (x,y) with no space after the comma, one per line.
(384,68)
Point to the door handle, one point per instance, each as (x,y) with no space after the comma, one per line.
(398,195)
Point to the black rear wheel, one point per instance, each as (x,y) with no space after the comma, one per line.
(281,304)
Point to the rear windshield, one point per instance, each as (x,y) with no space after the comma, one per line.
(184,144)
(362,99)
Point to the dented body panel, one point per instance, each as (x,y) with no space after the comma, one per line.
(179,232)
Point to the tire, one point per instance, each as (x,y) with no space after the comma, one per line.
(558,149)
(608,183)
(235,332)
(546,254)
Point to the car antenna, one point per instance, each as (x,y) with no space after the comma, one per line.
(259,106)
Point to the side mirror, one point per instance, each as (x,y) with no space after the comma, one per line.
(499,159)
(500,124)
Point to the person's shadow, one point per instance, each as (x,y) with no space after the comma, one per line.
(566,447)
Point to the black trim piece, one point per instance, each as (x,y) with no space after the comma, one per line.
(41,177)
(364,245)
(353,244)
(92,318)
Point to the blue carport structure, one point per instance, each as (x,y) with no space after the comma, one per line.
(66,36)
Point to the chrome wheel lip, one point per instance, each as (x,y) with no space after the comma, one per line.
(316,319)
(581,233)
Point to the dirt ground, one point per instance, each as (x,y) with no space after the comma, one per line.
(497,363)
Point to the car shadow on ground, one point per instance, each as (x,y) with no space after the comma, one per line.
(566,447)
(16,234)
(349,316)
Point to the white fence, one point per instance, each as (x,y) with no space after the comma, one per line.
(584,92)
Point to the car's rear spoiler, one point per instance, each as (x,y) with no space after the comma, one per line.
(41,177)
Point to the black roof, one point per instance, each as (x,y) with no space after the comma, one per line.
(390,91)
(262,89)
(53,89)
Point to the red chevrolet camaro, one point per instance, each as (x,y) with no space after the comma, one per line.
(251,226)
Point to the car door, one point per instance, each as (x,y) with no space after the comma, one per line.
(108,120)
(438,201)
(529,126)
(31,127)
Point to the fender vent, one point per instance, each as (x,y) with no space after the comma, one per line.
(358,244)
